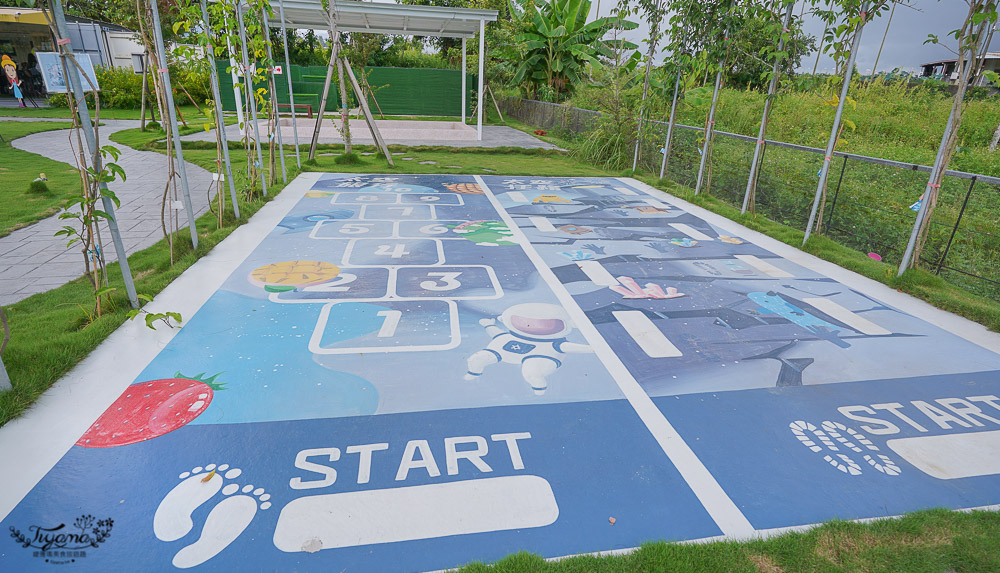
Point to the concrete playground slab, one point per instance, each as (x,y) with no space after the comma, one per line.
(412,372)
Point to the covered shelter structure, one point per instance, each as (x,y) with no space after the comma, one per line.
(401,19)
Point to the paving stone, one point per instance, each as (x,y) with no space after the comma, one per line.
(138,215)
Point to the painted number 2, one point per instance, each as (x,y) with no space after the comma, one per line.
(443,281)
(390,323)
(395,251)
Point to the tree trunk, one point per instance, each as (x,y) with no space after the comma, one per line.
(969,60)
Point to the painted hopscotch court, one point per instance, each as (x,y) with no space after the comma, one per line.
(408,372)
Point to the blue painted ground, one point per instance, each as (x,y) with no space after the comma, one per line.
(393,333)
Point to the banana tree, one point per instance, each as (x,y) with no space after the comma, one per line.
(560,44)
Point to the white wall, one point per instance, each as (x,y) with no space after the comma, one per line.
(122,45)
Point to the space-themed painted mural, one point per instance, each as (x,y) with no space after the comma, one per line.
(412,372)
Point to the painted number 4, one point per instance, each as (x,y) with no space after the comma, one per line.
(395,251)
(443,281)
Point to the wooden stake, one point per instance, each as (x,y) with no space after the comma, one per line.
(368,115)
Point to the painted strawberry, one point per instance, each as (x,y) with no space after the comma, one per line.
(150,409)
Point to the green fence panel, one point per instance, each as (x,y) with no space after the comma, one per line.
(398,91)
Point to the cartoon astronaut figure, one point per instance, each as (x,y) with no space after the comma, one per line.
(535,336)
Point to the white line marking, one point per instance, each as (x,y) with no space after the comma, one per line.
(625,191)
(717,503)
(646,334)
(596,273)
(764,267)
(691,232)
(655,203)
(350,519)
(862,325)
(952,456)
(542,224)
(455,335)
(518,196)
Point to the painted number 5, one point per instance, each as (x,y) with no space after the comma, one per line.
(355,228)
(444,281)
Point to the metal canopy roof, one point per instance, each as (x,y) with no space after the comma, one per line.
(379,18)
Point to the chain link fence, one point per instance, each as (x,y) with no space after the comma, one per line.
(868,199)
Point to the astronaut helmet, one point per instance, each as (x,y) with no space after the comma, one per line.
(537,320)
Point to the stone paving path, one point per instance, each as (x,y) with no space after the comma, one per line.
(32,260)
(493,136)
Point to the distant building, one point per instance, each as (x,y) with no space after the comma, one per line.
(947,70)
(23,31)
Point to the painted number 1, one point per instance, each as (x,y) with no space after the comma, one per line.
(448,279)
(397,251)
(390,323)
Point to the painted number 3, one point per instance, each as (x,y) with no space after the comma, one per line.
(443,281)
(837,439)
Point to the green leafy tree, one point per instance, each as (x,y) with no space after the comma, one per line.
(560,46)
(754,45)
(973,40)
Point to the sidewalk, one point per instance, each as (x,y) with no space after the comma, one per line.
(32,260)
(493,135)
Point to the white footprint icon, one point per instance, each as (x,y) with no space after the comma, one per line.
(227,520)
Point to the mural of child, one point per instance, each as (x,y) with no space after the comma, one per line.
(10,70)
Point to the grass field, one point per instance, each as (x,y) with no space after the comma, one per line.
(933,541)
(22,206)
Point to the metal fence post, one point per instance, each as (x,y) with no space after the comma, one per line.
(955,229)
(220,123)
(824,172)
(171,112)
(76,82)
(251,96)
(274,95)
(760,166)
(833,204)
(288,76)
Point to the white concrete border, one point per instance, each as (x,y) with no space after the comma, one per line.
(33,443)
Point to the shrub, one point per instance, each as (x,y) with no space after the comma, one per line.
(193,78)
(348,159)
(121,88)
(38,188)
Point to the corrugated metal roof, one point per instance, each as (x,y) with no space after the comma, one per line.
(384,18)
(988,56)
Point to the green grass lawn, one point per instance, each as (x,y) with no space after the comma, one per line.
(188,111)
(932,541)
(22,206)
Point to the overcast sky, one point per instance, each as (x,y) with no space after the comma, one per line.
(903,46)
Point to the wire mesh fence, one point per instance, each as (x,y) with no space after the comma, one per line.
(868,201)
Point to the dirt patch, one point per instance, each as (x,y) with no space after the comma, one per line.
(833,545)
(764,563)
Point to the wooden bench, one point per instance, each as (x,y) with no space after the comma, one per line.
(307,106)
